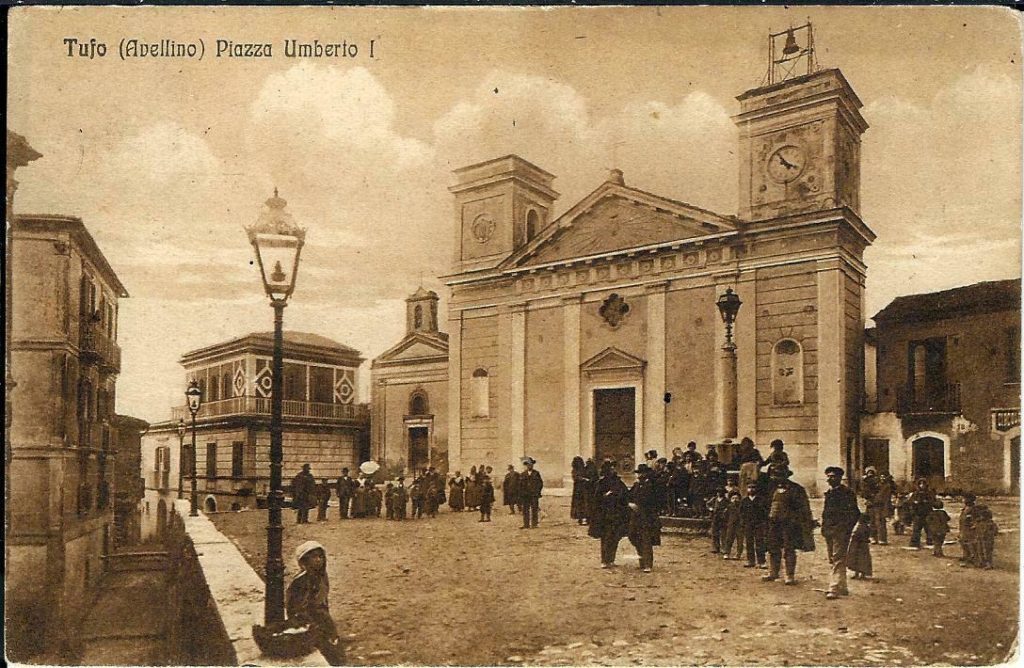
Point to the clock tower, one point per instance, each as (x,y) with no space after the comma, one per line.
(799,144)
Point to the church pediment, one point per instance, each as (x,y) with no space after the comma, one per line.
(616,218)
(414,348)
(612,359)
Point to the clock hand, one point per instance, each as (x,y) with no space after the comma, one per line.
(787,165)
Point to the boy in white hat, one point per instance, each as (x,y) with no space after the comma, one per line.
(306,601)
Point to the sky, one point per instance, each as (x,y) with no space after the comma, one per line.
(167,160)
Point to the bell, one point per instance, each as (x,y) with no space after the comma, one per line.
(791,45)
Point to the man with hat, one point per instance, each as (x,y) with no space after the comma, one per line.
(644,523)
(790,524)
(877,494)
(345,486)
(837,521)
(303,494)
(610,516)
(530,486)
(922,501)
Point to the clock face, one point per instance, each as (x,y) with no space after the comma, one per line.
(786,164)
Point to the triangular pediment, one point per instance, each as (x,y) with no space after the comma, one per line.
(414,347)
(612,359)
(618,218)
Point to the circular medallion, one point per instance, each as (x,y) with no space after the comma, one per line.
(483,228)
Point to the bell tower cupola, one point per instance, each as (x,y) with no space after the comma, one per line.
(421,312)
(799,134)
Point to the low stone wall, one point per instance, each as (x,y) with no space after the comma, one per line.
(233,594)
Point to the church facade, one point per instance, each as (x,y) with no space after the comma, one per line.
(596,332)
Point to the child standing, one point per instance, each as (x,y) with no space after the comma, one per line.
(486,498)
(717,505)
(416,493)
(858,556)
(732,526)
(307,601)
(938,526)
(389,501)
(754,524)
(904,516)
(985,530)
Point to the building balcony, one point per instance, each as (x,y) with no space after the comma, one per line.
(941,401)
(1005,419)
(98,348)
(260,406)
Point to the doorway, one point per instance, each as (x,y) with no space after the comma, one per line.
(615,427)
(419,448)
(929,461)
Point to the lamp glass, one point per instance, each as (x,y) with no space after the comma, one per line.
(729,305)
(278,256)
(181,428)
(194,396)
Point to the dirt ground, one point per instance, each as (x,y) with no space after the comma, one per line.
(453,591)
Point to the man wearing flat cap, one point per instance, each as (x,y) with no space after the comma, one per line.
(837,521)
(790,524)
(530,486)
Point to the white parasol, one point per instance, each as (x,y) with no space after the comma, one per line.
(369,468)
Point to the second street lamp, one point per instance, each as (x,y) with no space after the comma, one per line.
(194,395)
(278,242)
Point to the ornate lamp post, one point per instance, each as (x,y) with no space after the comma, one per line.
(278,242)
(728,306)
(195,399)
(181,455)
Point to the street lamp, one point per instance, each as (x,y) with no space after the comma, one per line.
(726,396)
(181,458)
(278,242)
(728,305)
(194,396)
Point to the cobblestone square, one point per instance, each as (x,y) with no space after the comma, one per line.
(451,590)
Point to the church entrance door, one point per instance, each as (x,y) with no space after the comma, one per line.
(615,427)
(419,448)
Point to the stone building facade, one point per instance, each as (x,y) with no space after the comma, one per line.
(62,437)
(947,403)
(324,426)
(409,383)
(129,487)
(596,332)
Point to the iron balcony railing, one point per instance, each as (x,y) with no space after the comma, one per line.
(941,400)
(313,410)
(1005,419)
(98,348)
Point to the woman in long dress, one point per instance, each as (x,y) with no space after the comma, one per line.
(472,491)
(457,493)
(582,492)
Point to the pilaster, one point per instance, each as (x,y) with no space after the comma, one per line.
(517,381)
(745,335)
(455,390)
(831,388)
(654,395)
(571,382)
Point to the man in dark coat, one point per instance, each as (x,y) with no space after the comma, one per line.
(790,524)
(922,501)
(877,493)
(323,498)
(754,521)
(510,490)
(644,523)
(530,486)
(610,517)
(303,493)
(345,485)
(838,518)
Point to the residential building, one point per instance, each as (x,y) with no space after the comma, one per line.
(129,488)
(409,383)
(62,438)
(948,388)
(323,424)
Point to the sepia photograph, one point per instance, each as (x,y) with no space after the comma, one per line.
(513,336)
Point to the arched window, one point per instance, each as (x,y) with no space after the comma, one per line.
(225,384)
(532,224)
(481,393)
(202,389)
(787,373)
(214,387)
(417,317)
(418,403)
